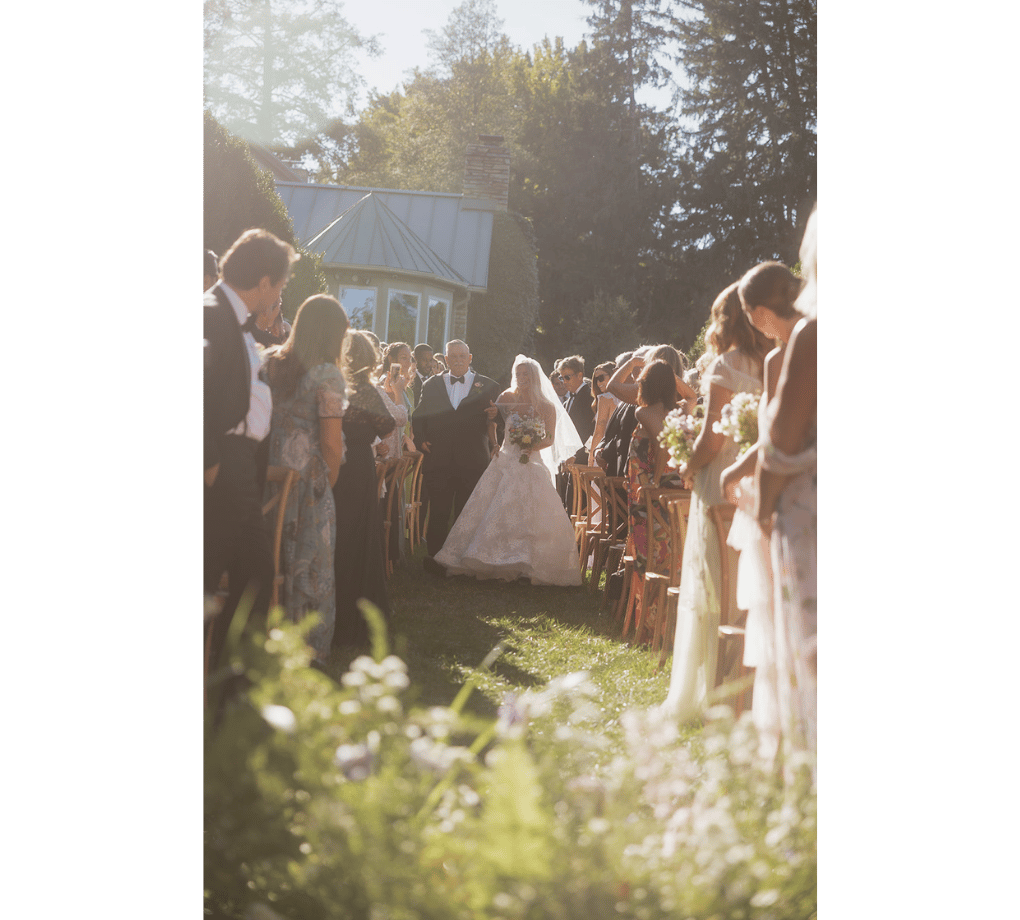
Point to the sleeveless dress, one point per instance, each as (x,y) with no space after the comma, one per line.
(794,567)
(640,473)
(309,524)
(514,524)
(696,643)
(755,595)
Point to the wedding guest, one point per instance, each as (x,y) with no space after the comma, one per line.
(272,329)
(237,411)
(624,386)
(309,399)
(646,463)
(736,351)
(768,295)
(577,402)
(559,387)
(358,561)
(211,269)
(604,404)
(424,368)
(439,365)
(787,509)
(398,368)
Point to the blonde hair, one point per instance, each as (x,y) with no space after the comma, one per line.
(807,303)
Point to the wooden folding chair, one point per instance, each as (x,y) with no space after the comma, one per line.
(678,509)
(648,595)
(412,510)
(577,506)
(390,479)
(611,548)
(730,657)
(659,577)
(593,481)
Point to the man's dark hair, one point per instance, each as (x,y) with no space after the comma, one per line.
(255,254)
(420,349)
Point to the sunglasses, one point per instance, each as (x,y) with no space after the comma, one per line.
(602,378)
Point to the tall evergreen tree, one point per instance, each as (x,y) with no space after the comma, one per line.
(278,70)
(749,116)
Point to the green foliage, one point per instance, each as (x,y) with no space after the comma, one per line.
(750,101)
(697,348)
(604,327)
(332,800)
(501,322)
(238,195)
(275,72)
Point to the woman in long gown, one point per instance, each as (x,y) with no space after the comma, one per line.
(359,563)
(736,367)
(514,524)
(309,400)
(768,293)
(786,508)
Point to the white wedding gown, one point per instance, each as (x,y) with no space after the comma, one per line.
(514,524)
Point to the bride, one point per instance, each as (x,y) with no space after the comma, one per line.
(514,524)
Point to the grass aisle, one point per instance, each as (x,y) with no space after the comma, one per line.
(444,628)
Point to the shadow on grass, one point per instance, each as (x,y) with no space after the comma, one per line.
(443,628)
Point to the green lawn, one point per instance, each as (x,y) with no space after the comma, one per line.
(444,628)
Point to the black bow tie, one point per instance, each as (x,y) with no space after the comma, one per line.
(249,324)
(456,379)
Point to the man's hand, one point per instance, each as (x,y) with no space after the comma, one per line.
(382,449)
(210,475)
(426,447)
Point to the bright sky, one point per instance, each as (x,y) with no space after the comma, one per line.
(398,24)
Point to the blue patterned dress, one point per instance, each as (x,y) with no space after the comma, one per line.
(309,527)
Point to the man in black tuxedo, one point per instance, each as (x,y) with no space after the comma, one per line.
(238,409)
(423,362)
(577,402)
(454,427)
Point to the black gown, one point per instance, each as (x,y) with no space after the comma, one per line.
(359,562)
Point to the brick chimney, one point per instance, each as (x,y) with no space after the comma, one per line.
(487,170)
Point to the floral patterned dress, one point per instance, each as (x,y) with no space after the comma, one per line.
(640,473)
(309,526)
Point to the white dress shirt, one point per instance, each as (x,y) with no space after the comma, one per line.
(255,424)
(457,391)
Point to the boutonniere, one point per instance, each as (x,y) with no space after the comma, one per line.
(478,386)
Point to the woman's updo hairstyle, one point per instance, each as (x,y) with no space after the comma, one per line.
(771,285)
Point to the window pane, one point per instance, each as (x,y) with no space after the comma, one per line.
(437,325)
(403,318)
(359,303)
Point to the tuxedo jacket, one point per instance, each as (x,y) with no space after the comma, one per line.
(578,406)
(615,442)
(416,385)
(458,438)
(227,376)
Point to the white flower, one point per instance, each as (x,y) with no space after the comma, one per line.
(355,760)
(280,717)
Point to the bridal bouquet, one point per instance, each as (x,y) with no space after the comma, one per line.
(739,420)
(678,434)
(527,435)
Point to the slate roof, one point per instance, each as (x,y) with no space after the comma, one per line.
(456,230)
(369,233)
